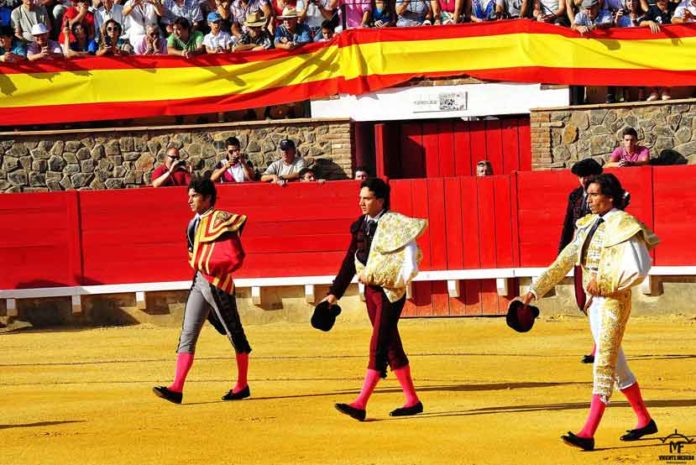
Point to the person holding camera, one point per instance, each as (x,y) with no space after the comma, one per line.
(173,172)
(235,167)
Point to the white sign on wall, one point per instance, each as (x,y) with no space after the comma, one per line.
(439,102)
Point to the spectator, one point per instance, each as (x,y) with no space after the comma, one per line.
(42,47)
(413,13)
(188,9)
(327,32)
(106,11)
(140,13)
(287,168)
(361,173)
(26,16)
(551,11)
(55,9)
(173,172)
(6,7)
(630,154)
(77,14)
(484,10)
(658,14)
(308,175)
(515,9)
(184,41)
(217,40)
(381,15)
(114,44)
(152,43)
(256,36)
(353,13)
(631,16)
(242,9)
(314,13)
(12,50)
(447,11)
(235,167)
(685,12)
(221,7)
(81,46)
(592,17)
(290,34)
(484,168)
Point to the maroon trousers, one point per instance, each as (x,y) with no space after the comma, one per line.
(385,344)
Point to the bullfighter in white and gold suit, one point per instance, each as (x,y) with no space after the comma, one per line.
(384,255)
(613,249)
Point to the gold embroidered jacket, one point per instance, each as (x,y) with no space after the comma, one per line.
(394,256)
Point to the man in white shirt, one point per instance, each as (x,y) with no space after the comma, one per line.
(108,10)
(217,40)
(141,13)
(287,168)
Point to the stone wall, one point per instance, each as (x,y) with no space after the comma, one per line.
(41,161)
(562,136)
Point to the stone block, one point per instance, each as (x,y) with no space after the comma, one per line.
(112,148)
(56,163)
(80,180)
(18,178)
(87,166)
(253,147)
(10,163)
(83,154)
(73,145)
(88,142)
(601,144)
(117,160)
(114,183)
(688,149)
(39,165)
(597,116)
(194,150)
(97,184)
(132,156)
(70,157)
(54,185)
(40,154)
(102,175)
(683,135)
(119,171)
(673,121)
(145,163)
(66,183)
(140,144)
(37,180)
(98,152)
(126,144)
(18,150)
(71,168)
(570,134)
(25,162)
(154,146)
(58,148)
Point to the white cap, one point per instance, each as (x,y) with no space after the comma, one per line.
(38,29)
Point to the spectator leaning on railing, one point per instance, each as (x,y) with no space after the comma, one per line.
(592,17)
(413,13)
(327,32)
(81,45)
(243,9)
(12,50)
(287,168)
(152,43)
(43,48)
(217,40)
(291,34)
(113,42)
(173,172)
(256,37)
(446,11)
(141,13)
(184,41)
(381,15)
(77,14)
(629,153)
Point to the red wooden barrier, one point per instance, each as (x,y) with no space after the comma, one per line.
(513,221)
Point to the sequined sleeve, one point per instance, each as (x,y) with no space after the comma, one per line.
(557,271)
(625,265)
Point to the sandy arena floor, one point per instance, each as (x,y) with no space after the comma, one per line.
(491,396)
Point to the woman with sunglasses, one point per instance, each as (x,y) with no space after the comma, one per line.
(113,44)
(81,45)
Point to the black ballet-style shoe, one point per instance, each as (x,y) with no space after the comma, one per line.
(407,411)
(168,394)
(635,434)
(357,413)
(576,441)
(587,359)
(243,394)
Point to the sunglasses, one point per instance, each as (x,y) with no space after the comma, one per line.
(173,157)
(113,28)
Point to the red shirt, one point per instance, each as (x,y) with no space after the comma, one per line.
(179,177)
(87,23)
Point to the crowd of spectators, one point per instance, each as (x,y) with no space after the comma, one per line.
(234,166)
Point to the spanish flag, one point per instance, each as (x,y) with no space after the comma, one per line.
(354,62)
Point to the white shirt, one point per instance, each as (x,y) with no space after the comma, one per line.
(222,40)
(683,6)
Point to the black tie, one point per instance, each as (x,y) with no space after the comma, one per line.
(592,232)
(370,227)
(191,230)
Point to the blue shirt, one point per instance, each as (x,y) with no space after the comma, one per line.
(18,48)
(302,34)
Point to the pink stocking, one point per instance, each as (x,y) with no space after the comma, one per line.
(184,361)
(371,379)
(403,374)
(596,411)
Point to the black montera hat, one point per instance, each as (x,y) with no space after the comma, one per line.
(586,167)
(520,317)
(324,316)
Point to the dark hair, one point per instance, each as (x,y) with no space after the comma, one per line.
(586,167)
(183,22)
(114,22)
(629,131)
(327,24)
(361,168)
(232,141)
(610,186)
(379,188)
(6,31)
(304,171)
(205,187)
